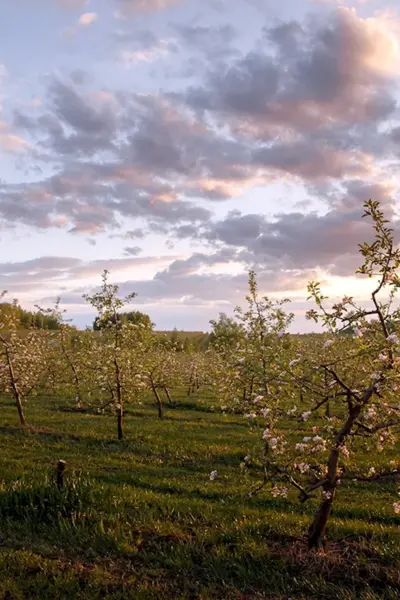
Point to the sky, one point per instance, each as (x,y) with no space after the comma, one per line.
(181,143)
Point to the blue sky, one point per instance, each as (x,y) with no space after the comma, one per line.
(180,143)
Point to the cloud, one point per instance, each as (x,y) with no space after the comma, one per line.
(151,157)
(72,4)
(11,143)
(132,250)
(127,8)
(57,272)
(160,49)
(336,72)
(87,19)
(190,282)
(300,242)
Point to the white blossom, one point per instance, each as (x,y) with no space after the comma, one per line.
(279,491)
(370,413)
(301,447)
(328,343)
(273,442)
(303,467)
(393,339)
(213,475)
(306,415)
(265,434)
(345,451)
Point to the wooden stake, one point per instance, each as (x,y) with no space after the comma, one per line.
(60,473)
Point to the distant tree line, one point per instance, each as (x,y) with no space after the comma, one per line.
(28,319)
(135,316)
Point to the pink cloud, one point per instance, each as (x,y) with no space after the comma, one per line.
(87,19)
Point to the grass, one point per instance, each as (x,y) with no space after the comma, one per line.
(141,519)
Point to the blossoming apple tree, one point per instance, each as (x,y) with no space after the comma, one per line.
(359,376)
(22,360)
(113,360)
(247,371)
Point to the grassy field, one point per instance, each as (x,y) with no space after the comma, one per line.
(141,519)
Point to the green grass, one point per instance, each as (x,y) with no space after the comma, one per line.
(141,519)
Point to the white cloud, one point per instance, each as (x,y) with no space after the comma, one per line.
(130,58)
(87,19)
(9,142)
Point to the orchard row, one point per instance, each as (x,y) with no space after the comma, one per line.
(325,408)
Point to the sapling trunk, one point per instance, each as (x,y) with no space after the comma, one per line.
(159,402)
(328,410)
(251,386)
(20,410)
(120,422)
(14,387)
(317,531)
(168,395)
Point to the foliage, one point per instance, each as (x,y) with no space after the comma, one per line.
(22,366)
(356,379)
(26,319)
(135,317)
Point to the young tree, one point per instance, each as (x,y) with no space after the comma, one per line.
(115,351)
(22,359)
(247,370)
(67,351)
(358,376)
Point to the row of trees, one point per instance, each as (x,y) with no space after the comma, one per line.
(324,405)
(119,363)
(327,405)
(26,319)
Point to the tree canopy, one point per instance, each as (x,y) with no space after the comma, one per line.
(136,317)
(28,319)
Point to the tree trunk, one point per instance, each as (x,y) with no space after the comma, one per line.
(251,386)
(159,403)
(15,389)
(317,530)
(265,381)
(316,533)
(20,410)
(120,422)
(328,410)
(168,395)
